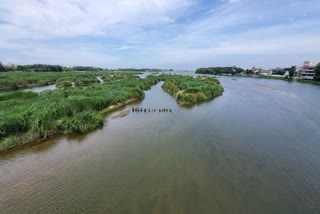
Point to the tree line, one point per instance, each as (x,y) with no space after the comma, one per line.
(220,70)
(31,68)
(46,68)
(317,70)
(59,68)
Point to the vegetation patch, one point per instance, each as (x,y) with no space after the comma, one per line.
(30,117)
(10,81)
(188,90)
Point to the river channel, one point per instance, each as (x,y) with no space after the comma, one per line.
(256,149)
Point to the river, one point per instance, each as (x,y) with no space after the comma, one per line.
(256,149)
(41,88)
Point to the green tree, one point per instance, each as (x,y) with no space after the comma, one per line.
(317,71)
(249,71)
(2,68)
(292,70)
(220,70)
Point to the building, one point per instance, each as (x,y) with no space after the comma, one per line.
(266,72)
(306,71)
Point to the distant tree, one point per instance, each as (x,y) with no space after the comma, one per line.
(40,68)
(279,71)
(86,68)
(317,71)
(220,70)
(292,70)
(2,68)
(249,71)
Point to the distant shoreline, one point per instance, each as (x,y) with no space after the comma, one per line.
(271,77)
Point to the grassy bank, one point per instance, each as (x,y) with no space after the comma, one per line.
(188,90)
(30,117)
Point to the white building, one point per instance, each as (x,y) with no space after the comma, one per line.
(306,71)
(266,72)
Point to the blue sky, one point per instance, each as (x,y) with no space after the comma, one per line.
(179,34)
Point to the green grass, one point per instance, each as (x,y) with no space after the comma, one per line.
(29,117)
(10,81)
(188,90)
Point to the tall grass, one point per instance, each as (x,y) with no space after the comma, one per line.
(10,81)
(28,116)
(189,90)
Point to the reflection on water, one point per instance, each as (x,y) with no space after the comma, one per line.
(252,150)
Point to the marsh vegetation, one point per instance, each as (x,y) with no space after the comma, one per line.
(189,90)
(29,117)
(10,81)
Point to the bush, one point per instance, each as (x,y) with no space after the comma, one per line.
(189,90)
(82,122)
(200,96)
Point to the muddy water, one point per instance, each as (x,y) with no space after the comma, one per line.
(256,149)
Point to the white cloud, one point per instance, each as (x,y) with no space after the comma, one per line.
(125,47)
(144,33)
(234,1)
(232,33)
(50,18)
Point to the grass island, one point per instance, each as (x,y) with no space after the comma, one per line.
(81,100)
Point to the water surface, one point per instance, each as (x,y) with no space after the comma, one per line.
(256,149)
(41,88)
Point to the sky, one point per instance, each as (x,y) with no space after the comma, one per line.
(178,34)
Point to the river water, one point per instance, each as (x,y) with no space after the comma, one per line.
(256,149)
(41,88)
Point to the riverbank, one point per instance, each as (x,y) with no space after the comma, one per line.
(111,109)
